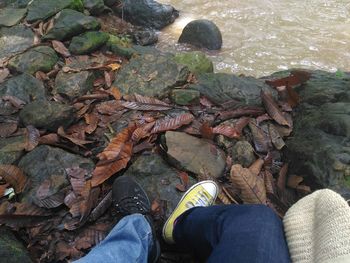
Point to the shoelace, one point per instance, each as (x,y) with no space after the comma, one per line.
(200,199)
(126,204)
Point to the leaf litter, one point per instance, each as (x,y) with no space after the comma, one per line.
(64,225)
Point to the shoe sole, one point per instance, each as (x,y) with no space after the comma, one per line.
(182,198)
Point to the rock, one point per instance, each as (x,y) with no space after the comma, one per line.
(151,75)
(185,96)
(95,7)
(14,40)
(11,248)
(47,165)
(24,87)
(319,149)
(222,87)
(195,155)
(11,16)
(243,154)
(145,37)
(202,33)
(49,115)
(14,3)
(70,23)
(43,9)
(87,42)
(73,85)
(121,46)
(148,13)
(158,179)
(196,61)
(11,149)
(110,2)
(41,58)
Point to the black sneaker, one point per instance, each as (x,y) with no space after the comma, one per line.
(130,198)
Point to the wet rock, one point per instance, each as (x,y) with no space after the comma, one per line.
(222,87)
(24,87)
(49,115)
(14,3)
(95,7)
(72,85)
(158,179)
(46,165)
(121,46)
(319,149)
(195,155)
(69,23)
(185,96)
(151,75)
(87,42)
(43,9)
(147,13)
(202,33)
(11,16)
(110,2)
(196,61)
(145,37)
(41,58)
(11,248)
(243,154)
(14,40)
(11,149)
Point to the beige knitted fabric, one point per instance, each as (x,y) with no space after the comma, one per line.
(317,229)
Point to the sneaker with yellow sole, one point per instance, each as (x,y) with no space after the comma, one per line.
(203,193)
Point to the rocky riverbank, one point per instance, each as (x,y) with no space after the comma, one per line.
(84,99)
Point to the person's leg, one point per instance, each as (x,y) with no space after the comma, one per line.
(129,241)
(233,233)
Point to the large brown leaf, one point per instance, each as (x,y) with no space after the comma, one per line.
(102,207)
(276,138)
(296,77)
(243,111)
(77,141)
(146,104)
(142,132)
(14,176)
(228,131)
(262,141)
(59,47)
(251,186)
(32,138)
(172,123)
(272,108)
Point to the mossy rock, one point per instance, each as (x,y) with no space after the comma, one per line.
(196,61)
(185,96)
(71,23)
(11,149)
(11,16)
(121,46)
(43,9)
(95,7)
(41,58)
(87,42)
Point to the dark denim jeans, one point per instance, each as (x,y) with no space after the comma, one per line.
(233,233)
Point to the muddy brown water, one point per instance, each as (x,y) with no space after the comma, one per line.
(264,36)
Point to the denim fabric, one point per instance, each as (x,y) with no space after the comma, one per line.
(129,242)
(233,233)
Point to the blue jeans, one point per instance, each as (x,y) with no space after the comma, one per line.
(230,233)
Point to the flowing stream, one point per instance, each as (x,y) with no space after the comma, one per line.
(264,36)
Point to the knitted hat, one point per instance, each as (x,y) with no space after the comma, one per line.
(317,229)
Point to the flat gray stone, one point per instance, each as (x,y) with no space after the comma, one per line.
(195,155)
(14,40)
(11,16)
(151,75)
(24,87)
(11,149)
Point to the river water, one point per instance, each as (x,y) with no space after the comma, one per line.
(264,36)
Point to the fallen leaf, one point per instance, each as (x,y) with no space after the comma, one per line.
(4,73)
(228,131)
(269,182)
(32,138)
(109,77)
(252,187)
(296,77)
(114,66)
(272,108)
(76,141)
(91,236)
(262,118)
(142,132)
(282,177)
(102,207)
(243,111)
(256,167)
(172,123)
(115,92)
(146,104)
(7,128)
(276,138)
(184,178)
(261,140)
(14,176)
(60,48)
(50,139)
(92,120)
(294,180)
(19,221)
(293,97)
(206,131)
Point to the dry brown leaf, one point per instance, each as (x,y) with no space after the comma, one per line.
(102,207)
(297,77)
(60,48)
(252,187)
(184,178)
(115,92)
(109,77)
(272,108)
(294,180)
(172,123)
(91,236)
(293,97)
(114,66)
(269,182)
(32,138)
(243,111)
(276,138)
(142,132)
(4,73)
(7,128)
(146,104)
(92,120)
(50,139)
(109,107)
(206,131)
(228,131)
(14,176)
(282,177)
(76,141)
(256,167)
(261,140)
